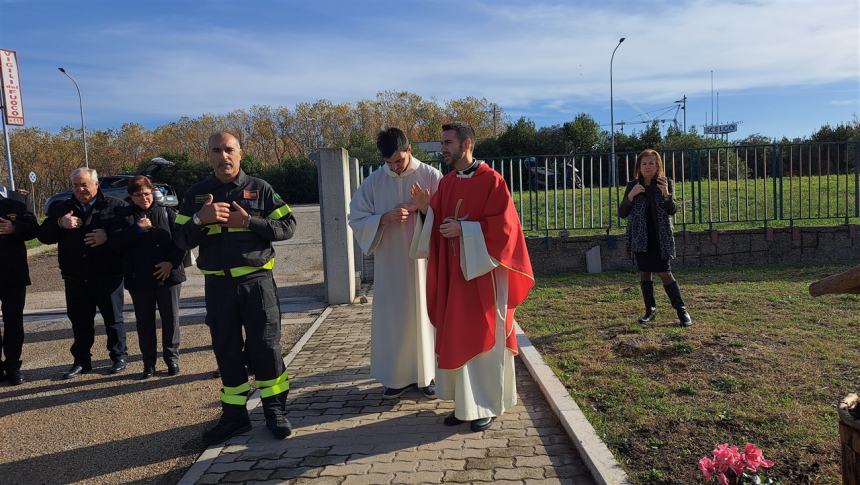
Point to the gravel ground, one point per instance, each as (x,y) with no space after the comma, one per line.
(102,428)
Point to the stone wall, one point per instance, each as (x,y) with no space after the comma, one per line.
(807,245)
(812,245)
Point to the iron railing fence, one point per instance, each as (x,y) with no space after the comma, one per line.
(776,184)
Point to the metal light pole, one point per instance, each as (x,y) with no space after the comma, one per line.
(83,129)
(614,166)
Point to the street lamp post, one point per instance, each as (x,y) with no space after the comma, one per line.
(83,129)
(613,169)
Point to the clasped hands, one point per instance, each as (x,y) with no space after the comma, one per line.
(220,213)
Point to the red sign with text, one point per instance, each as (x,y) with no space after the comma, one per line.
(12,103)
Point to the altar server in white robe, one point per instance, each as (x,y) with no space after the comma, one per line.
(383,219)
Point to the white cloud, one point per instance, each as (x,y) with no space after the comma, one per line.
(532,54)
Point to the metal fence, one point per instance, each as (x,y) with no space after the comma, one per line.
(746,185)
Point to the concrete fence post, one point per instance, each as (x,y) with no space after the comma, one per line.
(354,182)
(338,256)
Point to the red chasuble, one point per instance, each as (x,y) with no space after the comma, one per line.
(463,312)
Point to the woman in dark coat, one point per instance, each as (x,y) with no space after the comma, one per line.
(648,205)
(153,271)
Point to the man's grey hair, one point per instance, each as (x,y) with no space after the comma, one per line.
(94,176)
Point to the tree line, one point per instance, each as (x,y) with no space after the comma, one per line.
(278,141)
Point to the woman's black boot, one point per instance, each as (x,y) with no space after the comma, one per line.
(650,303)
(673,291)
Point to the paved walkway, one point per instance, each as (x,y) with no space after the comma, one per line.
(344,433)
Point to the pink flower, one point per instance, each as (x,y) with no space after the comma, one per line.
(706,466)
(721,477)
(727,458)
(753,458)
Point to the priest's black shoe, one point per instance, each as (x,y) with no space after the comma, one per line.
(77,370)
(118,366)
(452,420)
(172,368)
(481,424)
(147,372)
(15,378)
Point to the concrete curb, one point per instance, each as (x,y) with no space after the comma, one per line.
(597,457)
(198,469)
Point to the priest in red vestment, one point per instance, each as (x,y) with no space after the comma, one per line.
(478,272)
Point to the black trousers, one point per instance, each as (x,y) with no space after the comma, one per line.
(166,298)
(12,338)
(249,304)
(82,300)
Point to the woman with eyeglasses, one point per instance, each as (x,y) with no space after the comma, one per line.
(153,273)
(648,205)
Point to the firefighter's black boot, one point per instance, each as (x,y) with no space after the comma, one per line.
(673,291)
(234,420)
(275,410)
(650,303)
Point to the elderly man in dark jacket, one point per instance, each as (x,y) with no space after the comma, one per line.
(91,268)
(17,225)
(153,270)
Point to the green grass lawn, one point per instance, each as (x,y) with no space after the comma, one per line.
(764,362)
(722,204)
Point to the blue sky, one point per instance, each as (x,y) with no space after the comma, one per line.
(782,67)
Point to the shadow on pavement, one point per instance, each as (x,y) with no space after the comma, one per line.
(132,386)
(100,460)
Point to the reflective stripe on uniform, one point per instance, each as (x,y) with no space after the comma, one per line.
(234,395)
(280,212)
(212,229)
(180,219)
(274,387)
(238,229)
(241,270)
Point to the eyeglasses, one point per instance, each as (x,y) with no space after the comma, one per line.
(142,194)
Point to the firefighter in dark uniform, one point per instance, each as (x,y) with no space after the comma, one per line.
(17,225)
(234,218)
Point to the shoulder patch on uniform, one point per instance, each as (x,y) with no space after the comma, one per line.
(250,194)
(200,198)
(11,216)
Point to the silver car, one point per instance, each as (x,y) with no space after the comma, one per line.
(117,186)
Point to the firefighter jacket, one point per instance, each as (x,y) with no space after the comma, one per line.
(14,271)
(78,261)
(235,251)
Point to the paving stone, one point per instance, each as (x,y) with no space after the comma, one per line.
(418,455)
(345,433)
(468,476)
(211,478)
(419,477)
(298,472)
(488,463)
(369,479)
(235,466)
(520,473)
(485,443)
(464,453)
(512,452)
(394,467)
(247,476)
(441,465)
(345,470)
